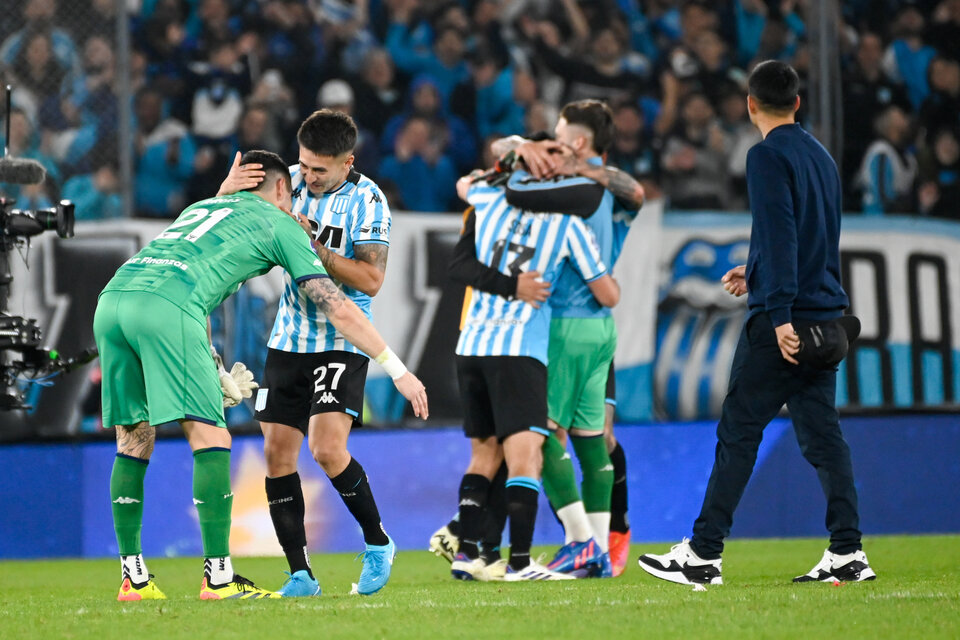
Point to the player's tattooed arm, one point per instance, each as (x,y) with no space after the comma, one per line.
(500,146)
(620,183)
(364,272)
(373,253)
(325,294)
(136,441)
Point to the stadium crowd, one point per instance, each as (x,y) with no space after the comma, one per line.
(432,82)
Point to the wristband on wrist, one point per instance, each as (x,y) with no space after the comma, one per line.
(391,363)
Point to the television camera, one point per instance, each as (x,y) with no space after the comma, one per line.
(19,335)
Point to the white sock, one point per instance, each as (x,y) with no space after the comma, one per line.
(219,570)
(600,524)
(576,526)
(135,568)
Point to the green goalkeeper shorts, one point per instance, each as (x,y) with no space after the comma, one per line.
(156,362)
(579,357)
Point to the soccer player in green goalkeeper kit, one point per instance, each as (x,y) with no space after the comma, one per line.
(150,328)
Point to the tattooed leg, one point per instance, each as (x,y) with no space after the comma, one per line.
(136,441)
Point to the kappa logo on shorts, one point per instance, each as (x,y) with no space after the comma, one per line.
(327,398)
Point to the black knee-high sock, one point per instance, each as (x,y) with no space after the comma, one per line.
(285,497)
(619,521)
(354,490)
(474,489)
(522,508)
(495,516)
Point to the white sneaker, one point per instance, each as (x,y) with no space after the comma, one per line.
(851,567)
(494,572)
(444,544)
(463,568)
(682,566)
(533,571)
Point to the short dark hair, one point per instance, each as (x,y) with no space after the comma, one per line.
(328,133)
(273,167)
(774,85)
(594,115)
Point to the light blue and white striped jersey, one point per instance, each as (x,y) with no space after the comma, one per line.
(354,213)
(512,241)
(569,295)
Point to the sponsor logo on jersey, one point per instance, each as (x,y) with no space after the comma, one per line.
(125,500)
(375,197)
(327,398)
(377,230)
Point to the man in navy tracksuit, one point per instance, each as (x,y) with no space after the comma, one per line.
(790,345)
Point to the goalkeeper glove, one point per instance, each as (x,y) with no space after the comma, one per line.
(236,384)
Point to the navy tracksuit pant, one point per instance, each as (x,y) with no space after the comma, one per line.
(761,382)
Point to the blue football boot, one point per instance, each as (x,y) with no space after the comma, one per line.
(377,563)
(299,584)
(577,558)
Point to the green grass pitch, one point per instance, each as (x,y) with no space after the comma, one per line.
(917,595)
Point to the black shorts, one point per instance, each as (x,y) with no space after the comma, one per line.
(502,395)
(611,397)
(299,385)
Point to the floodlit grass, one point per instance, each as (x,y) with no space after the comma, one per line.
(917,594)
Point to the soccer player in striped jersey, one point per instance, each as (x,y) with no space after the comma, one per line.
(150,328)
(314,377)
(582,342)
(501,363)
(578,388)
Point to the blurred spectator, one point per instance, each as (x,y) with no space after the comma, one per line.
(422,175)
(345,29)
(740,135)
(714,71)
(25,143)
(939,191)
(610,71)
(907,58)
(443,61)
(337,95)
(220,83)
(96,195)
(867,91)
(217,24)
(378,95)
(100,19)
(87,119)
(889,168)
(39,17)
(764,34)
(452,134)
(694,158)
(489,100)
(632,151)
(944,31)
(277,100)
(36,68)
(942,107)
(164,154)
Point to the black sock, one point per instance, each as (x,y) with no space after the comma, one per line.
(495,516)
(522,507)
(285,497)
(454,525)
(619,521)
(473,500)
(354,490)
